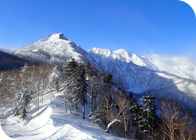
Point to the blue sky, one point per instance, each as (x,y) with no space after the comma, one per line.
(166,27)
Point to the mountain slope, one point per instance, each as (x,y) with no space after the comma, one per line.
(179,66)
(123,56)
(140,78)
(50,49)
(54,48)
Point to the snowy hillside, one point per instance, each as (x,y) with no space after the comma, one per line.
(51,123)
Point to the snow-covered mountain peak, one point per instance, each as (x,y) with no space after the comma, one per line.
(53,48)
(127,56)
(52,38)
(121,55)
(56,36)
(101,51)
(120,51)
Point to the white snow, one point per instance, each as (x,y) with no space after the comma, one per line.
(179,66)
(51,123)
(165,76)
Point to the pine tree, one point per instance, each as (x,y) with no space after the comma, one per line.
(71,75)
(76,84)
(81,95)
(146,116)
(108,80)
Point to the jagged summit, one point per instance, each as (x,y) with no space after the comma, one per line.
(56,36)
(121,55)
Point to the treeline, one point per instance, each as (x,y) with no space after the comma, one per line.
(113,109)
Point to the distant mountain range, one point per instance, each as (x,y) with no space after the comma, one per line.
(9,61)
(7,50)
(174,77)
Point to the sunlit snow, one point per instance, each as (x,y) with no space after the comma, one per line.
(51,123)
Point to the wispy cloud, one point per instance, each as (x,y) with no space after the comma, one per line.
(192,53)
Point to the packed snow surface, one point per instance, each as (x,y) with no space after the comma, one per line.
(51,123)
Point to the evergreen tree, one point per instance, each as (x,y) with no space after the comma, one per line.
(76,84)
(81,95)
(149,121)
(108,82)
(21,108)
(146,116)
(71,75)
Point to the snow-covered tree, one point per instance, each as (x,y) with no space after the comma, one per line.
(21,108)
(76,84)
(149,121)
(145,115)
(55,77)
(94,81)
(81,89)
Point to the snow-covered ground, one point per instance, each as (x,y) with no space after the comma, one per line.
(50,123)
